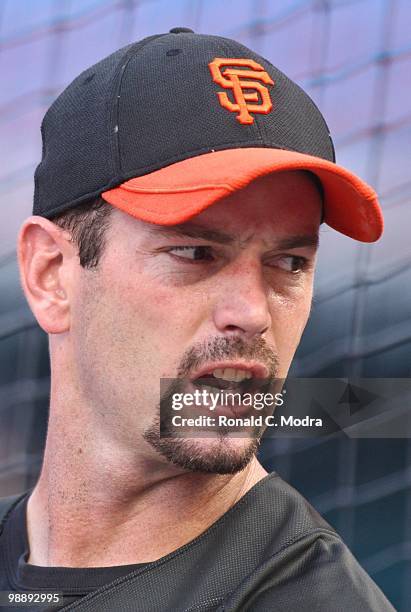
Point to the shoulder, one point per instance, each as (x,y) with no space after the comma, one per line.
(318,572)
(280,513)
(305,565)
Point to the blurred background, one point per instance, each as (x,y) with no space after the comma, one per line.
(353,57)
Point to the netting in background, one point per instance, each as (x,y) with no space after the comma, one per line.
(354,58)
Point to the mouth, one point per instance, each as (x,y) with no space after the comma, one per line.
(237,377)
(212,382)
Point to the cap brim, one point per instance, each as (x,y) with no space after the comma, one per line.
(192,185)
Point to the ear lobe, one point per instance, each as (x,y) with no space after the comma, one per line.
(43,253)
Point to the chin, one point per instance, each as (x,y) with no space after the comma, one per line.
(215,454)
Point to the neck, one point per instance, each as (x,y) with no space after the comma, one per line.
(91,508)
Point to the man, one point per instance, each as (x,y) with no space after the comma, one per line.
(174,236)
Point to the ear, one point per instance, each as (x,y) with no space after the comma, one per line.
(45,257)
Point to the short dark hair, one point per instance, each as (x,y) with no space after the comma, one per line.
(87,224)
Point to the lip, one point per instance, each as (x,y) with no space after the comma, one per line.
(258,370)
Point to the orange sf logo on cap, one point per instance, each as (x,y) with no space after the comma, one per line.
(238,80)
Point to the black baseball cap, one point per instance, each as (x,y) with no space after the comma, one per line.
(167,126)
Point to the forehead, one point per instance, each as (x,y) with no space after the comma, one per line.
(203,232)
(288,203)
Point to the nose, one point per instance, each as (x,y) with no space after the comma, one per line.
(242,306)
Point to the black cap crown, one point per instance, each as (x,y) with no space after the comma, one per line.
(155,102)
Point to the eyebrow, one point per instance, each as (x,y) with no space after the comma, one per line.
(194,230)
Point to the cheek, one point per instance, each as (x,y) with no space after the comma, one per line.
(167,309)
(121,344)
(158,319)
(289,318)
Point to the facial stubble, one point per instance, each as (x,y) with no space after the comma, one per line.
(218,454)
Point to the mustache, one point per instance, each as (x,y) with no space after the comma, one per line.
(222,348)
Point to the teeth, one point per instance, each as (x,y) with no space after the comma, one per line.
(232,374)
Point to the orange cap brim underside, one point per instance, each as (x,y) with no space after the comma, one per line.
(192,185)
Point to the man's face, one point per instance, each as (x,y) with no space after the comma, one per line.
(162,304)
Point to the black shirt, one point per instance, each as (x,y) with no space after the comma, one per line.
(18,576)
(270,552)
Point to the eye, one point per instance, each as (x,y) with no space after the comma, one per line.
(192,253)
(292,263)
